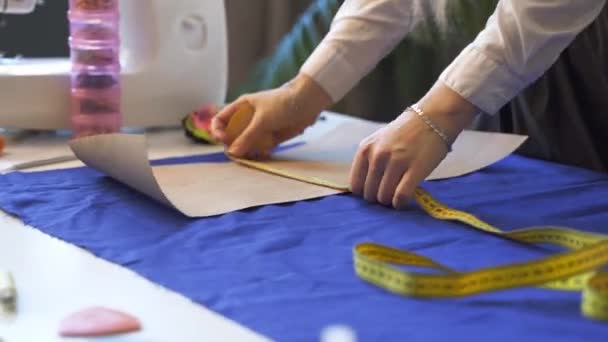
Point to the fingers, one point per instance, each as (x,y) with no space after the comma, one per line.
(395,171)
(391,163)
(377,167)
(376,173)
(220,121)
(405,190)
(380,176)
(244,144)
(358,171)
(241,131)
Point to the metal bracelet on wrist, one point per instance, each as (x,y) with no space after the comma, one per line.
(427,120)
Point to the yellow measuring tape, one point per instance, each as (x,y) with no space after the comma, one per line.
(578,269)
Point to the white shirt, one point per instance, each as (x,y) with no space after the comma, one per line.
(521,40)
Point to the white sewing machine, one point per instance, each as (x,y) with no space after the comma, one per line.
(173,55)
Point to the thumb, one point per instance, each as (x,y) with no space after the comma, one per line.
(220,121)
(248,143)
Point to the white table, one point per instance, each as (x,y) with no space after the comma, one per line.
(55,279)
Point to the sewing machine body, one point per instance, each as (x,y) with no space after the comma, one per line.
(173,57)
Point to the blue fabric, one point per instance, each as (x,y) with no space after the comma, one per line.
(286,270)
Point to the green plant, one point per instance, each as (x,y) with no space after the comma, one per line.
(415,63)
(293,49)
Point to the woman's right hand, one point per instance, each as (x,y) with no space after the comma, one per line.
(279,115)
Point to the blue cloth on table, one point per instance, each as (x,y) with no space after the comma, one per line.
(286,270)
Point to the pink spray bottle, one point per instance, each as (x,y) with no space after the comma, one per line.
(95,76)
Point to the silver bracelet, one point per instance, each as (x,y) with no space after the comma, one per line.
(432,125)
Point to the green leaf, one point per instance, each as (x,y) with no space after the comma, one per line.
(293,49)
(416,62)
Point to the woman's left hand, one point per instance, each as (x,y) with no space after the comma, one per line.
(391,162)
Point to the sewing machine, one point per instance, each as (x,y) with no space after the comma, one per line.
(173,58)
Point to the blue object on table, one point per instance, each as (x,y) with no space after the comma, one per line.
(286,270)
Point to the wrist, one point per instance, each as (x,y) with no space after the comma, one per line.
(449,111)
(309,97)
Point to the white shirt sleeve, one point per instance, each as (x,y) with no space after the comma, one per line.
(361,34)
(521,40)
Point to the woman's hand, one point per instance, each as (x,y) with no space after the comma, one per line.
(393,161)
(279,115)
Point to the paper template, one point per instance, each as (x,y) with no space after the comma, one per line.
(196,190)
(473,151)
(206,189)
(329,157)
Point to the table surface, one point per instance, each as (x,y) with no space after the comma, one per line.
(285,271)
(55,278)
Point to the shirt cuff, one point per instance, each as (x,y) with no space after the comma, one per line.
(482,80)
(329,67)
